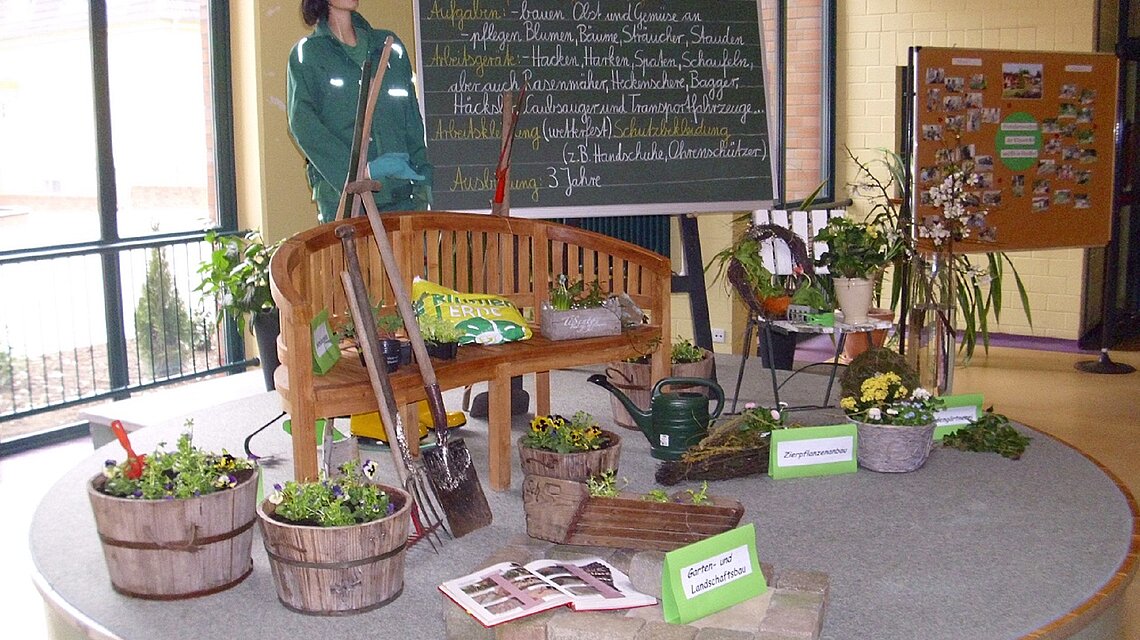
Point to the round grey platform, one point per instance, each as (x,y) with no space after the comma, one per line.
(971,545)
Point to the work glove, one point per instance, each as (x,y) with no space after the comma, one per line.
(392,165)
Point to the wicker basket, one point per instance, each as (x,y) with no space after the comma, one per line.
(894,449)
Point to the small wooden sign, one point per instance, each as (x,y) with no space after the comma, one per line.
(813,451)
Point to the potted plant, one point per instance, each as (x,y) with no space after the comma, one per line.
(441,337)
(632,376)
(237,276)
(856,254)
(895,424)
(336,546)
(559,450)
(573,448)
(576,310)
(388,326)
(175,523)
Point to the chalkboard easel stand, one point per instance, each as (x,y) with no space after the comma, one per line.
(692,282)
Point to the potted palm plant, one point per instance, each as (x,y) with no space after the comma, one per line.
(237,276)
(336,546)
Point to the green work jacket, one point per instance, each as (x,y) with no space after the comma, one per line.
(322,89)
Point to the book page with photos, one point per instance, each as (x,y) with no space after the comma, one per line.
(508,591)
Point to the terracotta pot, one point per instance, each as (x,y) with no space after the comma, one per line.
(776,307)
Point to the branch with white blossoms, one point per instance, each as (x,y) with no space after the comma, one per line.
(961,213)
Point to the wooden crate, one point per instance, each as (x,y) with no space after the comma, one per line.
(563,511)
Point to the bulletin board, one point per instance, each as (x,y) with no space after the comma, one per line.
(1038,130)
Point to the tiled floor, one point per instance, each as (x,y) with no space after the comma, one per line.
(1099,414)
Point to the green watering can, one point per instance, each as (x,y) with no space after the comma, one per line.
(675,420)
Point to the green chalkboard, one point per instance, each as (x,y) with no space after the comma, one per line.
(633,107)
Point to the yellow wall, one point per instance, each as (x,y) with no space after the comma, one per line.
(873,38)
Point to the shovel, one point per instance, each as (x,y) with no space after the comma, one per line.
(449,466)
(411,474)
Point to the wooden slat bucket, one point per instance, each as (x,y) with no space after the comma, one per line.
(176,549)
(333,571)
(635,381)
(577,466)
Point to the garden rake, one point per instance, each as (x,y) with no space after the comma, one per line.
(425,516)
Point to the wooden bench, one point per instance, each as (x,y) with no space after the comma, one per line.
(513,257)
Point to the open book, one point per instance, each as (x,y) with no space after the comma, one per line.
(507,591)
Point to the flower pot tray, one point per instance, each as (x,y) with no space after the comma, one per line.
(563,511)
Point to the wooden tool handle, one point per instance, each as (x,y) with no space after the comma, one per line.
(361,310)
(411,325)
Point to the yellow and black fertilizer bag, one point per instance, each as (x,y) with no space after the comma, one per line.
(482,318)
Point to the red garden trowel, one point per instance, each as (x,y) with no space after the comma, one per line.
(135,463)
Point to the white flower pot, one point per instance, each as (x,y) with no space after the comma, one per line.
(854,298)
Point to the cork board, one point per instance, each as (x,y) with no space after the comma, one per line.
(1036,126)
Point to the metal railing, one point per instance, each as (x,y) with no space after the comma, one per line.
(99,320)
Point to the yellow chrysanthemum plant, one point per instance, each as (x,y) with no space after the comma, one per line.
(580,432)
(883,399)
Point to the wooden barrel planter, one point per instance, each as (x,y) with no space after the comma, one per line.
(634,379)
(564,512)
(577,466)
(335,571)
(176,549)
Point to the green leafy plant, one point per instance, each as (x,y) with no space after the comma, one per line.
(555,433)
(237,274)
(857,249)
(745,251)
(656,495)
(437,330)
(699,496)
(603,485)
(685,351)
(565,295)
(185,472)
(883,399)
(388,325)
(990,432)
(980,287)
(349,498)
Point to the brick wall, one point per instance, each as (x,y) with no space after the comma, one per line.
(873,38)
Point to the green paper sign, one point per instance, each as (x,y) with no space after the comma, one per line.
(326,353)
(711,575)
(813,451)
(959,411)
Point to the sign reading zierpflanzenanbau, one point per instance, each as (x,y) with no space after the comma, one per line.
(812,451)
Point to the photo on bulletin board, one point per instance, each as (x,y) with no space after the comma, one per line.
(1034,129)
